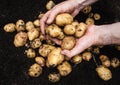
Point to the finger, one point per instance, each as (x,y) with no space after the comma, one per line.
(58,42)
(67,53)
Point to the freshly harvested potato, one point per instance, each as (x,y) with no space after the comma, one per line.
(20,25)
(87,9)
(54,77)
(63,19)
(80,30)
(20,39)
(10,27)
(97,16)
(36,43)
(32,34)
(90,21)
(76,59)
(50,42)
(55,57)
(35,70)
(29,25)
(105,60)
(53,30)
(42,37)
(45,49)
(86,56)
(64,69)
(36,23)
(30,53)
(75,23)
(115,62)
(40,15)
(69,29)
(40,60)
(68,43)
(104,73)
(61,36)
(50,5)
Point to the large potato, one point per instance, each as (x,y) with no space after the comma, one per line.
(20,39)
(10,27)
(55,57)
(63,19)
(68,43)
(20,25)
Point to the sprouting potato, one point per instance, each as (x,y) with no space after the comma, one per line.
(55,57)
(104,73)
(76,59)
(86,56)
(115,62)
(63,19)
(65,68)
(90,21)
(35,70)
(53,30)
(61,36)
(20,25)
(10,27)
(32,34)
(97,16)
(30,53)
(50,5)
(36,43)
(80,30)
(40,60)
(54,77)
(87,9)
(45,49)
(29,25)
(37,23)
(68,43)
(69,29)
(20,39)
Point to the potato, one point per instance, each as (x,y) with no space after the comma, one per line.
(35,70)
(54,77)
(104,73)
(64,69)
(40,15)
(103,58)
(30,53)
(41,37)
(97,16)
(40,60)
(29,25)
(68,43)
(36,43)
(115,62)
(10,27)
(75,23)
(69,29)
(96,50)
(45,49)
(80,30)
(55,57)
(76,59)
(20,25)
(32,34)
(87,9)
(50,42)
(90,21)
(36,23)
(53,30)
(63,19)
(117,47)
(50,5)
(106,63)
(86,56)
(61,36)
(20,39)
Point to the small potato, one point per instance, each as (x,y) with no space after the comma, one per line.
(36,43)
(50,5)
(63,19)
(50,42)
(32,34)
(54,77)
(115,62)
(35,70)
(75,23)
(61,36)
(117,47)
(80,30)
(90,21)
(96,50)
(36,23)
(76,59)
(87,9)
(29,25)
(64,69)
(104,73)
(106,63)
(55,57)
(20,39)
(103,58)
(42,37)
(20,25)
(68,43)
(10,27)
(45,49)
(69,29)
(53,30)
(97,16)
(40,60)
(87,56)
(30,53)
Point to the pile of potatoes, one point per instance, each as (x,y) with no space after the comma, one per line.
(48,54)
